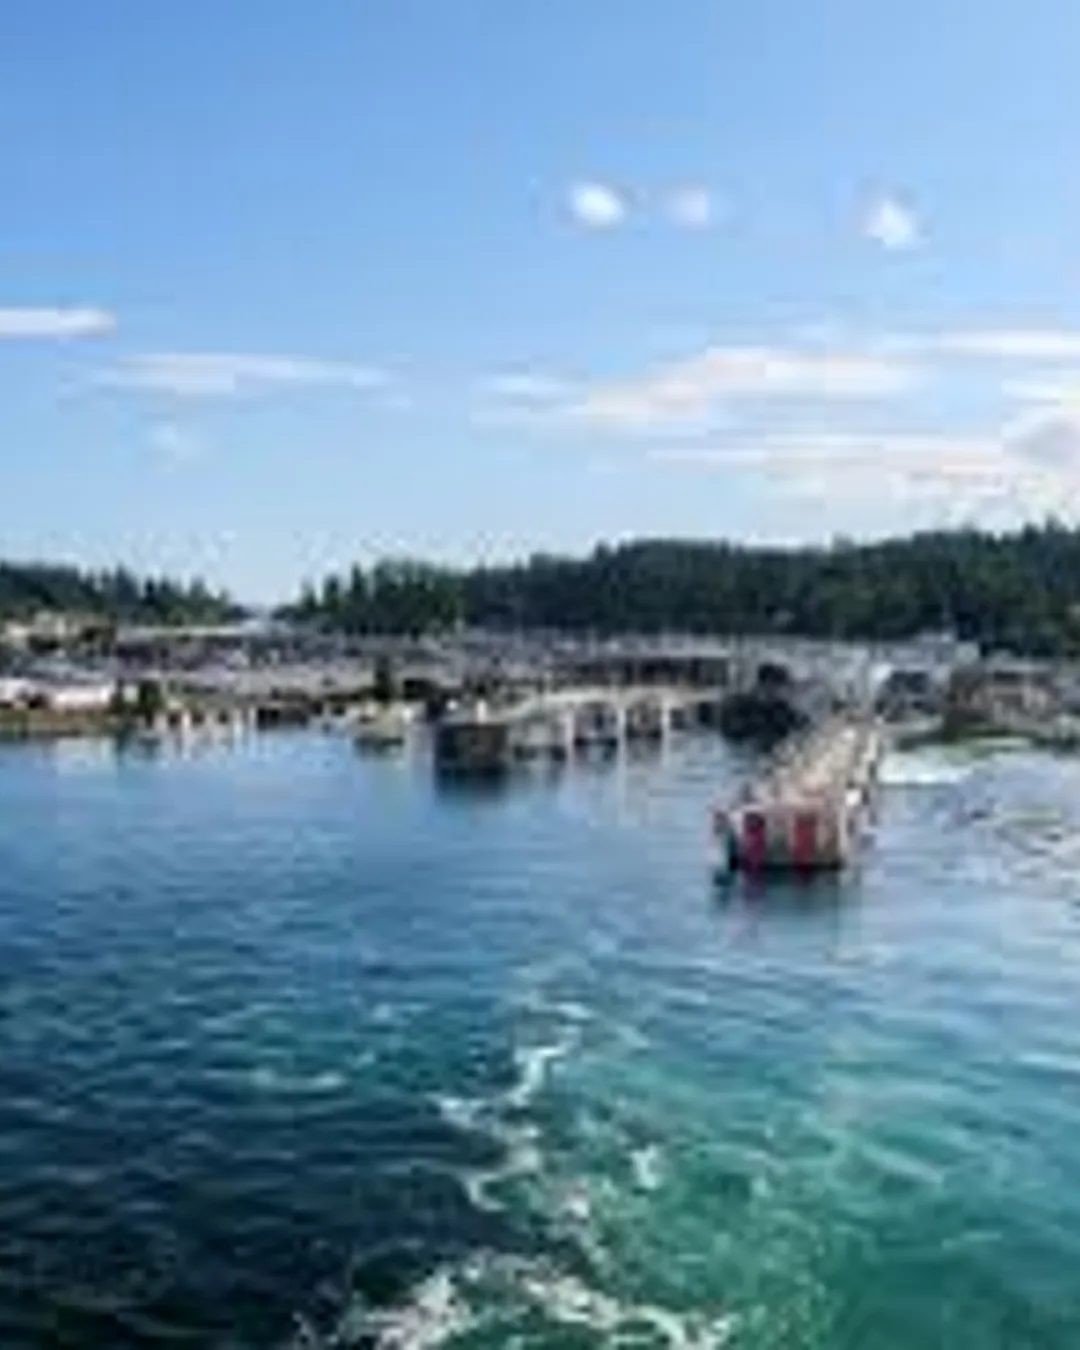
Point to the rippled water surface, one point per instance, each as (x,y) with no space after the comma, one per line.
(297,1050)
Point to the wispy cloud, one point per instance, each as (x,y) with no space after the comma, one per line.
(525,386)
(893,224)
(175,444)
(690,391)
(1049,440)
(792,454)
(690,208)
(226,374)
(596,206)
(524,399)
(55,323)
(1008,344)
(1023,467)
(1044,389)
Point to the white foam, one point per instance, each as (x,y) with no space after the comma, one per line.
(523,1159)
(458,1299)
(572,1011)
(270,1080)
(498,1117)
(577,1203)
(647,1164)
(534,1064)
(463,1113)
(922,770)
(519,1142)
(435,1316)
(569,1302)
(632,1038)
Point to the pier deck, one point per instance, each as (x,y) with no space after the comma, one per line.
(806,812)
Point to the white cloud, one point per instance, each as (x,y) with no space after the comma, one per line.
(395,400)
(690,208)
(1044,389)
(1048,440)
(1017,344)
(526,386)
(789,455)
(597,206)
(175,444)
(892,224)
(1023,468)
(223,374)
(55,323)
(524,399)
(690,391)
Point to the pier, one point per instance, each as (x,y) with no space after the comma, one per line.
(560,724)
(807,811)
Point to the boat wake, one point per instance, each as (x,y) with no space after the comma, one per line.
(499,1117)
(496,1296)
(648,1167)
(922,769)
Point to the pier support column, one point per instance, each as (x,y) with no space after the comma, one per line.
(619,720)
(566,724)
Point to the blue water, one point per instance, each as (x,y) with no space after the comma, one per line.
(298,1049)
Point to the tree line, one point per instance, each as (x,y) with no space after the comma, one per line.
(1019,591)
(115,595)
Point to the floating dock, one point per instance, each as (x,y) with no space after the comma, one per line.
(808,811)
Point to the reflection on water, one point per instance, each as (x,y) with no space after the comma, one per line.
(544,770)
(806,894)
(456,785)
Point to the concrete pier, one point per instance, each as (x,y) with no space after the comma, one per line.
(475,741)
(807,812)
(557,725)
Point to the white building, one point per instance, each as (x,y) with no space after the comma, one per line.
(14,693)
(82,697)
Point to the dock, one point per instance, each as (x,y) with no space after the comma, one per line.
(558,725)
(807,811)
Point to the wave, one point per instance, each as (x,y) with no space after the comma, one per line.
(518,1140)
(920,769)
(534,1063)
(648,1167)
(511,1293)
(523,1158)
(499,1297)
(462,1113)
(435,1315)
(269,1080)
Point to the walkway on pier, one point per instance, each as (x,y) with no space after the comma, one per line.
(807,810)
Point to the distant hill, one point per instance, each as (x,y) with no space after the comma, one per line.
(29,589)
(1018,590)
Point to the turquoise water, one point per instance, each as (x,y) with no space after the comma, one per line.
(299,1050)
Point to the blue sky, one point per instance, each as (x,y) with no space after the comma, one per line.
(283,285)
